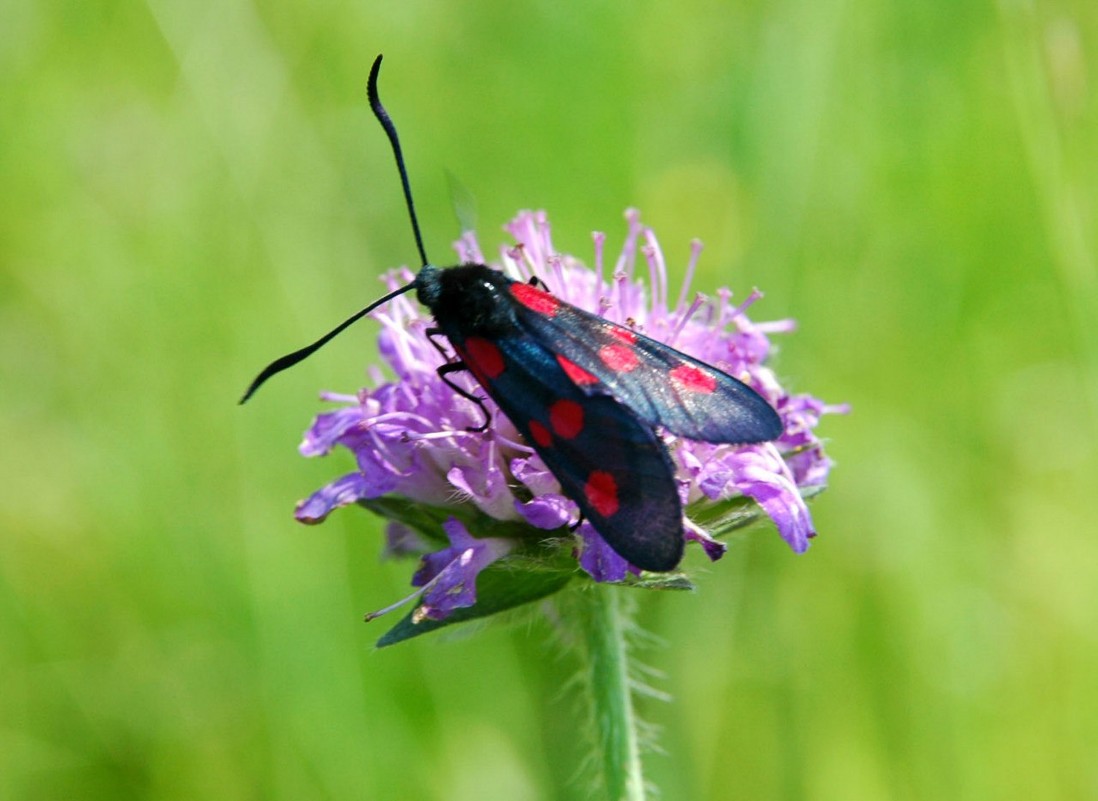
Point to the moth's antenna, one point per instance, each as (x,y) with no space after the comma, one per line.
(391,131)
(290,359)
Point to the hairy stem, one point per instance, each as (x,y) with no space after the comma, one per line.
(605,622)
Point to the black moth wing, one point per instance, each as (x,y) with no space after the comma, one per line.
(608,461)
(661,385)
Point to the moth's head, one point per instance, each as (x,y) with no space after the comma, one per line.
(469,296)
(428,285)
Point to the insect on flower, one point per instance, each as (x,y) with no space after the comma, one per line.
(586,394)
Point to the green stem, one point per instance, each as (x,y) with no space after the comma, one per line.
(605,623)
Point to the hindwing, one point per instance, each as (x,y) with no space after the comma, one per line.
(608,460)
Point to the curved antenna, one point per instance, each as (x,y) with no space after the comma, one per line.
(391,131)
(290,359)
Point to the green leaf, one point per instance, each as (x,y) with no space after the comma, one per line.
(499,588)
(659,581)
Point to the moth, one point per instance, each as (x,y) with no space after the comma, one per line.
(586,394)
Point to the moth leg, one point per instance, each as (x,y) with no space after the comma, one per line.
(574,527)
(458,367)
(437,332)
(537,282)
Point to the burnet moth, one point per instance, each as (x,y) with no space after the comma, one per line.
(585,393)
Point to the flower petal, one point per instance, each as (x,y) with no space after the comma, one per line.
(599,560)
(449,577)
(327,429)
(714,549)
(547,511)
(768,481)
(341,492)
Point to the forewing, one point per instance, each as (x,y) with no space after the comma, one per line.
(663,386)
(610,462)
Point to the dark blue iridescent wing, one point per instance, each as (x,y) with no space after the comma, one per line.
(607,460)
(661,385)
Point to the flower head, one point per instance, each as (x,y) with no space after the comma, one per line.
(414,437)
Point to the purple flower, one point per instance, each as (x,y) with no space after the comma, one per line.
(447,579)
(410,436)
(599,560)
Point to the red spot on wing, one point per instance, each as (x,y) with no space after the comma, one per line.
(602,492)
(693,378)
(540,434)
(579,376)
(535,299)
(622,334)
(620,358)
(566,418)
(483,357)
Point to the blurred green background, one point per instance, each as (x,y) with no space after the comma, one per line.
(190,189)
